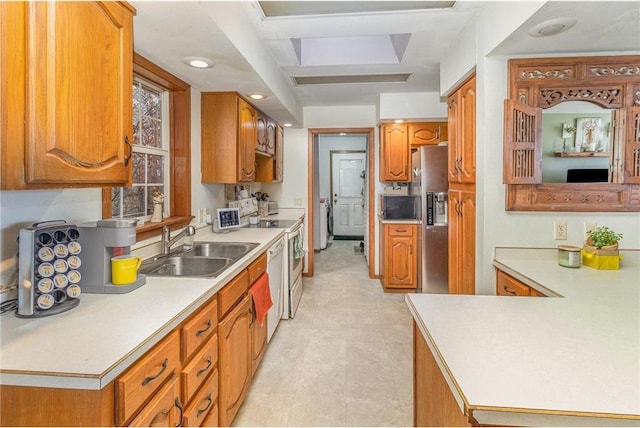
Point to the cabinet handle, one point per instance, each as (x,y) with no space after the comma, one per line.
(148,379)
(159,415)
(128,157)
(179,406)
(401,230)
(204,369)
(511,292)
(206,409)
(204,330)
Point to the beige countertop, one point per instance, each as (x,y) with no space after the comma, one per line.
(572,358)
(90,345)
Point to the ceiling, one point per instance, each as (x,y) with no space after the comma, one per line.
(255,53)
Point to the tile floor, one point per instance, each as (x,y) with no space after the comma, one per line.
(344,360)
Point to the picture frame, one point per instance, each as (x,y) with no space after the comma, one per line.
(590,135)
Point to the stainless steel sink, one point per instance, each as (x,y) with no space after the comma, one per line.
(232,250)
(186,266)
(204,259)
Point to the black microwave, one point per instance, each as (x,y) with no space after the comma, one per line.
(397,207)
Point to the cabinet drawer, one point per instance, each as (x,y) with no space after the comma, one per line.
(232,292)
(257,268)
(400,229)
(164,410)
(507,285)
(211,420)
(140,382)
(199,368)
(199,329)
(198,411)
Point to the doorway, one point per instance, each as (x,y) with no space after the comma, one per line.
(313,209)
(347,194)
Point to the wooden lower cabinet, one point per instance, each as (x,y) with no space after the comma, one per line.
(234,359)
(433,402)
(164,410)
(400,256)
(258,342)
(506,285)
(197,375)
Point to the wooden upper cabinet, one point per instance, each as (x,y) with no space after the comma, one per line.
(272,129)
(261,130)
(278,160)
(461,117)
(427,133)
(522,143)
(68,112)
(228,138)
(395,153)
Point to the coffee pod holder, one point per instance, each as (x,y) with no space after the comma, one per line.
(44,249)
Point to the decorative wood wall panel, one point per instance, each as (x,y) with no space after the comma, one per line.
(612,82)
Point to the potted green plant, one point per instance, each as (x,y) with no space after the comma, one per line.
(600,250)
(603,238)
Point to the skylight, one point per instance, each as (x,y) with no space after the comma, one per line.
(354,50)
(304,8)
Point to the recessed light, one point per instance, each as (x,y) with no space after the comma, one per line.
(399,120)
(287,125)
(257,96)
(198,62)
(552,27)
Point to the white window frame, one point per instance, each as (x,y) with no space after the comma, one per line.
(164,151)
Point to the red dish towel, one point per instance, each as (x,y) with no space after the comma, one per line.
(261,297)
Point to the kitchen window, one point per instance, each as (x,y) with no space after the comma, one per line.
(150,155)
(161,151)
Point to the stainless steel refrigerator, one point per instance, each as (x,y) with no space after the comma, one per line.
(429,165)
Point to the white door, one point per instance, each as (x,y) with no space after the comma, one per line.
(347,184)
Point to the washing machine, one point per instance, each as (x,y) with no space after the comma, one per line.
(324,210)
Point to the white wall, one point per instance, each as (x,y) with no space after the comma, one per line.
(412,106)
(495,226)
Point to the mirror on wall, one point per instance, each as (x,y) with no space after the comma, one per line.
(576,143)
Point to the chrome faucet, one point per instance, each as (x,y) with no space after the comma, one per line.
(168,241)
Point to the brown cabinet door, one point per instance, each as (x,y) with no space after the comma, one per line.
(461,118)
(506,285)
(467,131)
(271,136)
(79,76)
(261,131)
(234,360)
(400,256)
(424,134)
(279,155)
(258,342)
(247,138)
(462,235)
(395,153)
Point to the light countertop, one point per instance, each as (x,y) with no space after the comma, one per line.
(89,346)
(572,358)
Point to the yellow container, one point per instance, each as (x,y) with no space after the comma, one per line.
(602,259)
(124,269)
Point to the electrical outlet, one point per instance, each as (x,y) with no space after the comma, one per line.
(202,212)
(588,227)
(560,230)
(297,202)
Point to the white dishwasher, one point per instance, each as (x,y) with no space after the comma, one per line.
(275,269)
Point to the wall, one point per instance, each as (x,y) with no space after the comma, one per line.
(413,106)
(495,226)
(327,143)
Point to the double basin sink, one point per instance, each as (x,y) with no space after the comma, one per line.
(203,259)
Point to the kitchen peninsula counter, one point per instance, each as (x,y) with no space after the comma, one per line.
(89,346)
(569,359)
